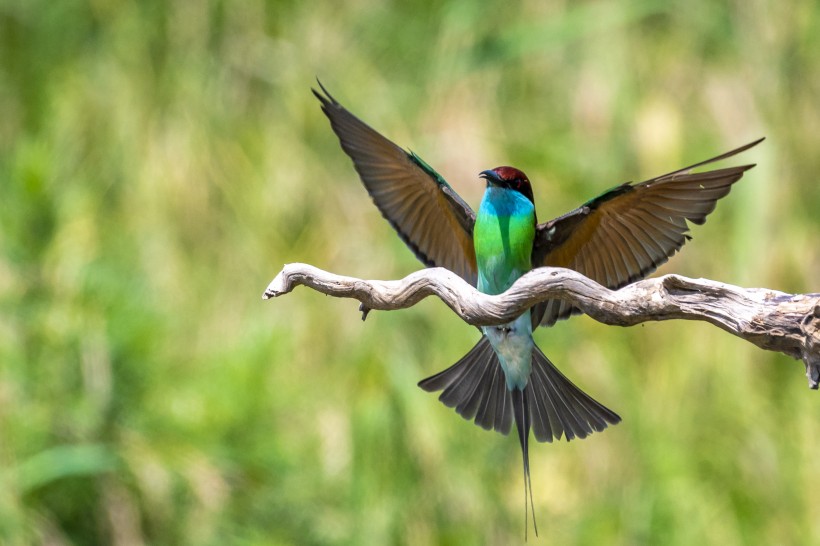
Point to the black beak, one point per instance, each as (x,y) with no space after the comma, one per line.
(490,176)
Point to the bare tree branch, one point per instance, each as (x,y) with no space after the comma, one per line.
(772,320)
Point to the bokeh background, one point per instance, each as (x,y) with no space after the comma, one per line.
(160,161)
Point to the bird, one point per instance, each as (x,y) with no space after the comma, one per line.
(615,239)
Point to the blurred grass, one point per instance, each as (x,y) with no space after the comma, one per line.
(159,161)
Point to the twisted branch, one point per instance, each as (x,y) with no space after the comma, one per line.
(772,320)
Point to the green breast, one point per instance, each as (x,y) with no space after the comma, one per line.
(503,237)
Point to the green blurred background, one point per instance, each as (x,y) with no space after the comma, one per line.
(160,161)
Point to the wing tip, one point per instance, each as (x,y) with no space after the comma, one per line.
(739,150)
(324,96)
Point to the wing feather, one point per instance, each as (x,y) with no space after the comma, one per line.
(429,216)
(630,230)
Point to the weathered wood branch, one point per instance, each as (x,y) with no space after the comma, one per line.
(772,320)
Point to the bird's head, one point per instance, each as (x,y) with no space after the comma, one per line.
(510,178)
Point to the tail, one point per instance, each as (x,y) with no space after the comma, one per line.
(550,404)
(475,386)
(557,406)
(521,408)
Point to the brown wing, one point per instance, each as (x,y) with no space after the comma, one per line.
(626,233)
(427,213)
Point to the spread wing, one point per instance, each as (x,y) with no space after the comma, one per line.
(427,213)
(626,233)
